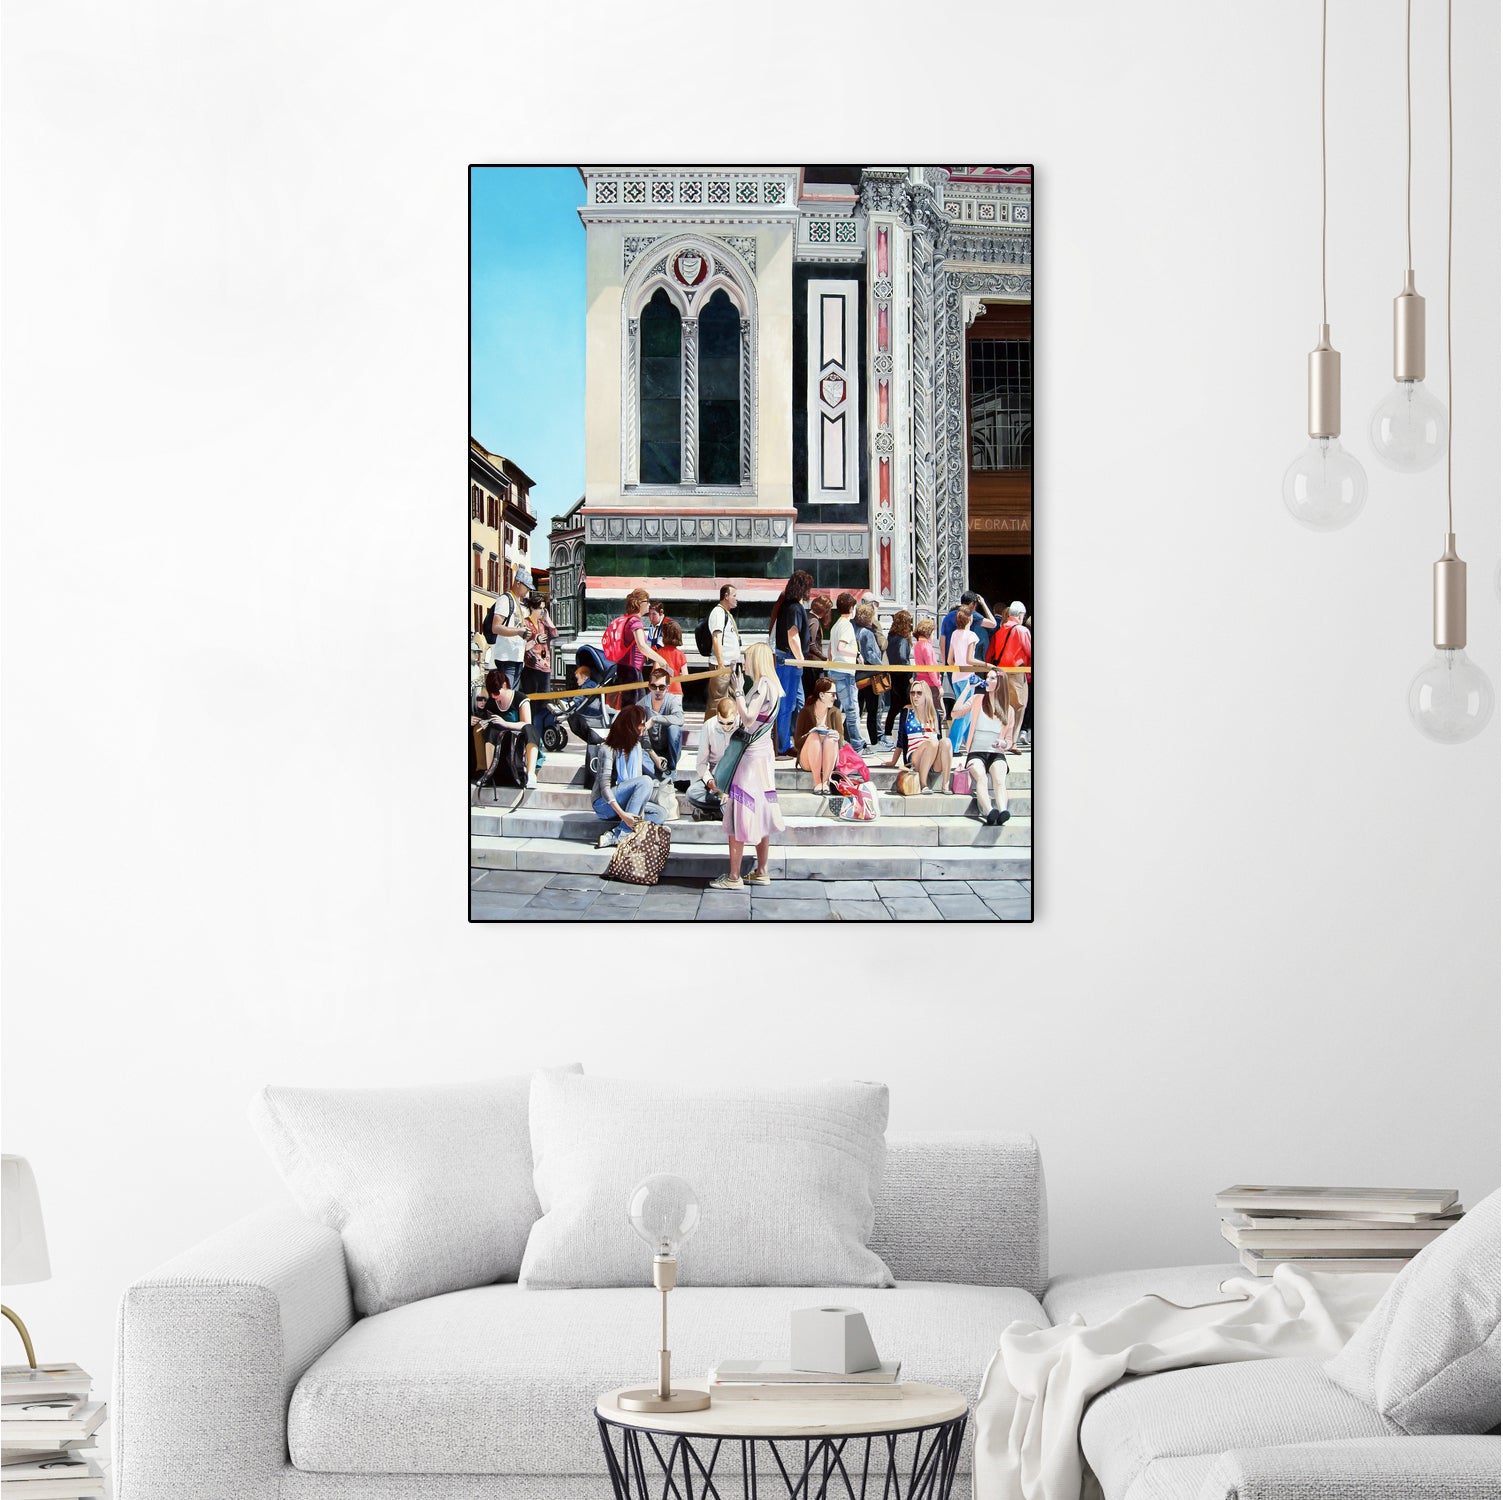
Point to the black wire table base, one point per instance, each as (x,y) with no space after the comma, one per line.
(918,1464)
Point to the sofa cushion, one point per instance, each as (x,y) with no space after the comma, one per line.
(430,1188)
(1427,1357)
(784,1177)
(1206,1410)
(502,1380)
(1097,1297)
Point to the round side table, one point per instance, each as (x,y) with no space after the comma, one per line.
(897,1449)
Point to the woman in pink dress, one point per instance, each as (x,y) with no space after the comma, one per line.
(752,814)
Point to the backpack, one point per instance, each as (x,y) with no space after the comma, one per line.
(614,644)
(486,628)
(704,640)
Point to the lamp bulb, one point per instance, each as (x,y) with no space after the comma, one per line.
(1325,488)
(1409,427)
(664,1212)
(1450,699)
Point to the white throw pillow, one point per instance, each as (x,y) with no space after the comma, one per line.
(430,1188)
(1427,1356)
(784,1176)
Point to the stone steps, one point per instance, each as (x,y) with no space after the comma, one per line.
(785,862)
(797,804)
(825,831)
(563,766)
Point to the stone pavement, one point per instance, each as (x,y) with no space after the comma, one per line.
(536,896)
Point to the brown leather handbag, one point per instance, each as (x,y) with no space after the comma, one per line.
(907,784)
(641,855)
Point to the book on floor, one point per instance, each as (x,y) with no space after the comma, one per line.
(40,1408)
(763,1371)
(65,1476)
(45,1380)
(1258,1198)
(1373,1239)
(45,1431)
(1266,1265)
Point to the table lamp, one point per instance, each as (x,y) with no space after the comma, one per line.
(23,1241)
(665,1212)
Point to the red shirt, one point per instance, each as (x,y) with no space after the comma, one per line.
(1012,646)
(674,656)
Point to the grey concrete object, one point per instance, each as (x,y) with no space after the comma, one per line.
(832,1340)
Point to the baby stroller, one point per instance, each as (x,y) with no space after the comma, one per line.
(588,715)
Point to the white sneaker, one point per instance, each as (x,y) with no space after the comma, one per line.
(531,783)
(607,840)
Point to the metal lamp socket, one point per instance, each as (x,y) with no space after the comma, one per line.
(1325,388)
(1409,332)
(1450,599)
(664,1272)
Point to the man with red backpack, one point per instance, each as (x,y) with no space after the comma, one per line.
(1012,646)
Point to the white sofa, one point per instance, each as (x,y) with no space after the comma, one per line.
(241,1369)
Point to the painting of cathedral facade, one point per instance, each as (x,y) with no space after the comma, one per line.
(826,368)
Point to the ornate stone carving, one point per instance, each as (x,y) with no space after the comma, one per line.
(884,192)
(989,249)
(812,542)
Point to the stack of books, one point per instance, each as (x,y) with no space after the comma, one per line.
(48,1426)
(1333,1228)
(768,1380)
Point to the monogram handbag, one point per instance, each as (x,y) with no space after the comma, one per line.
(641,855)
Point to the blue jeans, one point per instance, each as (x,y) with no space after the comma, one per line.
(845,696)
(791,680)
(668,741)
(633,796)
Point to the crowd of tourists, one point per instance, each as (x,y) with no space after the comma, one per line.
(817,690)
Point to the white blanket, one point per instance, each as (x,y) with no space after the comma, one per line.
(1035,1390)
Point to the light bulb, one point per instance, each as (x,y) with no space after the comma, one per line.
(1408,427)
(664,1211)
(1325,488)
(1450,699)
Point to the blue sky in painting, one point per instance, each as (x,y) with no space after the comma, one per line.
(527,326)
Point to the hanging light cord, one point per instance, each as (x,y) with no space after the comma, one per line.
(1324,312)
(1408,139)
(1450,228)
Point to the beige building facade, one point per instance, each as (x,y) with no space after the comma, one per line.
(501,526)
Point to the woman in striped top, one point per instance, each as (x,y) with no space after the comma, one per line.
(928,752)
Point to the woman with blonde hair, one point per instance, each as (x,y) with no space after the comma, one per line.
(981,747)
(928,750)
(818,733)
(752,814)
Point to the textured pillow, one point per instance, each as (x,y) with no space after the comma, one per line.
(784,1178)
(430,1188)
(1427,1356)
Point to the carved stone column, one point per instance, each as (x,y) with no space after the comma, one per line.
(631,455)
(926,266)
(689,470)
(746,398)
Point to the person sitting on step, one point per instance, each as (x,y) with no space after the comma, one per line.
(704,795)
(501,707)
(981,748)
(818,733)
(927,750)
(623,784)
(665,722)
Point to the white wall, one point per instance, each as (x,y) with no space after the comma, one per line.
(1267,933)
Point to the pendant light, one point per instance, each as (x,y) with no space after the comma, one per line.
(1325,488)
(1408,426)
(1451,698)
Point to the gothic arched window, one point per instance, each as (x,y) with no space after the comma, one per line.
(662,391)
(720,392)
